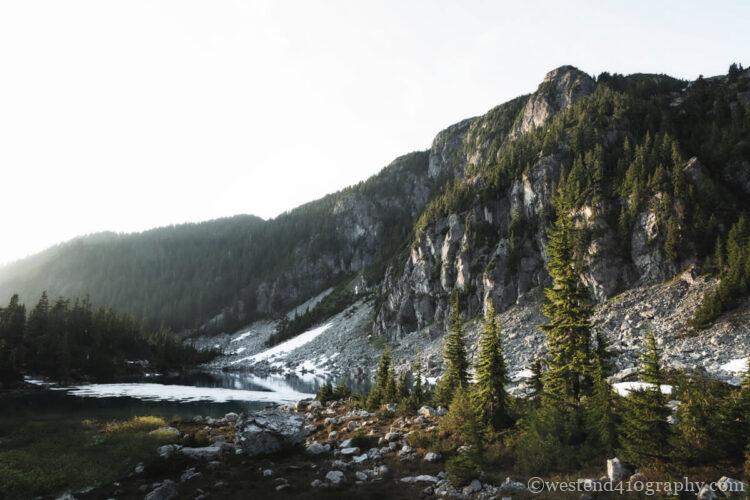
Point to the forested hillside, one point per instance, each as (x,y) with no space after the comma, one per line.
(238,268)
(656,170)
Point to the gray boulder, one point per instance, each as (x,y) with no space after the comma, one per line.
(204,453)
(316,448)
(270,431)
(335,477)
(615,470)
(731,488)
(166,491)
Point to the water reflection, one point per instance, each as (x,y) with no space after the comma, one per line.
(184,395)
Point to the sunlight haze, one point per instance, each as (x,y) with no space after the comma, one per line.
(125,116)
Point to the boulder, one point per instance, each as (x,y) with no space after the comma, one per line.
(315,448)
(706,493)
(166,491)
(510,485)
(231,417)
(204,453)
(615,470)
(427,411)
(168,450)
(270,431)
(335,477)
(189,475)
(423,478)
(392,436)
(731,488)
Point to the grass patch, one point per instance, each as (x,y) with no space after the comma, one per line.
(43,458)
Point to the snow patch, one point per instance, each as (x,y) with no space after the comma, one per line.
(186,393)
(625,388)
(738,365)
(241,337)
(276,353)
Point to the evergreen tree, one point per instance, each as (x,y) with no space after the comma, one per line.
(537,379)
(457,366)
(697,421)
(462,421)
(567,310)
(402,387)
(378,393)
(390,394)
(490,398)
(646,433)
(417,396)
(325,393)
(600,410)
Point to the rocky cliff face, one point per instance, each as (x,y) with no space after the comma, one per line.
(495,250)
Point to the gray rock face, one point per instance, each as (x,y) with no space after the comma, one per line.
(166,491)
(269,431)
(560,88)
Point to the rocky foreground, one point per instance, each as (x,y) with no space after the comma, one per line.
(317,450)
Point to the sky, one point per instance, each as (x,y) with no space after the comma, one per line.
(127,115)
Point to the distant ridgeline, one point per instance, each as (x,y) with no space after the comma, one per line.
(656,169)
(65,341)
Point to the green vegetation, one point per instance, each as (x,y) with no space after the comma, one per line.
(73,341)
(490,397)
(731,260)
(46,457)
(184,276)
(646,431)
(456,372)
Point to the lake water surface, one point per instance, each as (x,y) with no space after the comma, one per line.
(195,393)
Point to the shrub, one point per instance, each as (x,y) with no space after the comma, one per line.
(135,424)
(461,469)
(362,441)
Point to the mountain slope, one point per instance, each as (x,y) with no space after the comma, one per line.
(655,168)
(233,270)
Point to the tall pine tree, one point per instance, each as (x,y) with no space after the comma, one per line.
(568,311)
(490,398)
(646,433)
(457,366)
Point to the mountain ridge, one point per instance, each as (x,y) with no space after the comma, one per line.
(369,232)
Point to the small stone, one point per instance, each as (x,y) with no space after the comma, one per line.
(346,443)
(189,475)
(432,457)
(361,458)
(231,417)
(335,477)
(317,483)
(315,448)
(267,473)
(352,425)
(165,491)
(283,487)
(350,451)
(332,435)
(139,469)
(392,436)
(361,476)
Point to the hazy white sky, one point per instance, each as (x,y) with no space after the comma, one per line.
(128,115)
